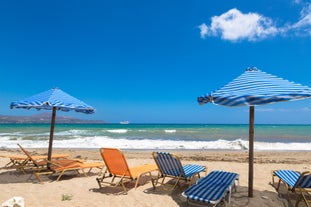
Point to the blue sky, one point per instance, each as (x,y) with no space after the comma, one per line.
(148,61)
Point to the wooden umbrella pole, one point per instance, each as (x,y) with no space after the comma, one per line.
(51,135)
(251,151)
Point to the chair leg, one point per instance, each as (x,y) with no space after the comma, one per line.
(37,174)
(273,175)
(138,177)
(305,199)
(83,172)
(155,181)
(60,175)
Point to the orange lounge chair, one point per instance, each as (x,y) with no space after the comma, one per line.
(20,162)
(59,166)
(36,161)
(17,161)
(117,167)
(62,166)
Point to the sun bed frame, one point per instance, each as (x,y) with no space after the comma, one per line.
(212,189)
(36,162)
(60,167)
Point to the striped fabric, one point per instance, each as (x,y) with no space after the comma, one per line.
(255,87)
(299,183)
(290,177)
(171,165)
(192,169)
(212,188)
(294,179)
(304,181)
(54,98)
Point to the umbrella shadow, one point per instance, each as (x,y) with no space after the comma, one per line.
(290,196)
(239,198)
(175,193)
(16,176)
(118,190)
(264,197)
(8,175)
(66,176)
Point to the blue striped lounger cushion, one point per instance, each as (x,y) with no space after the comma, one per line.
(212,188)
(290,177)
(192,169)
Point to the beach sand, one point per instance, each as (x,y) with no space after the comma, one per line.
(84,191)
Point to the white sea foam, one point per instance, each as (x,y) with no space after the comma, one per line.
(118,131)
(170,130)
(105,141)
(71,132)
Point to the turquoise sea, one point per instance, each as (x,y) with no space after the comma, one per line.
(157,136)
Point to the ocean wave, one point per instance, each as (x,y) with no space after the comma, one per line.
(117,131)
(72,132)
(170,130)
(105,141)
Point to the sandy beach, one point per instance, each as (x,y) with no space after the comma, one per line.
(79,190)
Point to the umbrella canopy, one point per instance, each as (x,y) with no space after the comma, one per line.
(255,87)
(53,99)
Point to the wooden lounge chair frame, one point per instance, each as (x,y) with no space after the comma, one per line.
(36,162)
(170,167)
(62,166)
(295,182)
(212,189)
(16,161)
(117,171)
(22,161)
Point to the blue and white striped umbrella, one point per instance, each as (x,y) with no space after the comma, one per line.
(254,88)
(53,99)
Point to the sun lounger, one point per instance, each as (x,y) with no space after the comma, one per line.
(59,166)
(296,182)
(212,189)
(35,162)
(170,167)
(118,172)
(16,161)
(21,162)
(62,166)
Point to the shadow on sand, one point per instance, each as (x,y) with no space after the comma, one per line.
(238,199)
(8,175)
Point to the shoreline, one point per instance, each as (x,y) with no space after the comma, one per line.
(239,156)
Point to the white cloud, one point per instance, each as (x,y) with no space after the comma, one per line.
(234,25)
(304,24)
(203,30)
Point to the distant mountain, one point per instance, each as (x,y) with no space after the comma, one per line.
(45,118)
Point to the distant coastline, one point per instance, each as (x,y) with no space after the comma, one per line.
(45,118)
